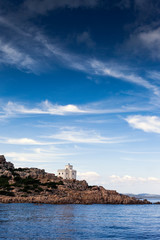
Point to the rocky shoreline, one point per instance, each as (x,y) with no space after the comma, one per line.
(33,185)
(74,197)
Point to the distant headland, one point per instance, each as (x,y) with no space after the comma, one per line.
(33,185)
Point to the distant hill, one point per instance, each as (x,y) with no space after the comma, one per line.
(143,195)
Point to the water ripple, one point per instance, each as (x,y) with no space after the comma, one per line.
(46,222)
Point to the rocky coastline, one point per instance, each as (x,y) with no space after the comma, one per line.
(33,185)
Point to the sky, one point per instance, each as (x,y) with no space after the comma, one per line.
(80,84)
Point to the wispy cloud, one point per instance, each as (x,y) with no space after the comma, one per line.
(130,179)
(145,41)
(25,141)
(101,68)
(20,141)
(150,39)
(31,59)
(13,109)
(13,56)
(74,135)
(155,76)
(88,176)
(34,157)
(4,22)
(44,107)
(44,6)
(145,123)
(47,51)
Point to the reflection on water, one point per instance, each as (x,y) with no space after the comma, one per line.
(45,222)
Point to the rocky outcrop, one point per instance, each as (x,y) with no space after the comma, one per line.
(32,185)
(4,165)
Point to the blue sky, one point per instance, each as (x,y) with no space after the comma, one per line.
(80,83)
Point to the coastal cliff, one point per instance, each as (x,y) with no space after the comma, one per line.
(33,185)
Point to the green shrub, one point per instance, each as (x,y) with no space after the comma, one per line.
(25,189)
(4,181)
(7,193)
(26,181)
(18,179)
(24,195)
(21,169)
(13,172)
(52,184)
(39,189)
(48,190)
(60,183)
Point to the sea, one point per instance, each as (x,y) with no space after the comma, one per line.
(98,221)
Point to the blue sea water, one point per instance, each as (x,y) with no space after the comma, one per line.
(45,222)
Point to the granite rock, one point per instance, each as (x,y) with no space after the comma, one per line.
(33,185)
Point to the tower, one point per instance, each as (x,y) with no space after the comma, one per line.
(68,172)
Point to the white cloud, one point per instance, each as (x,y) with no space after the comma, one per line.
(146,40)
(151,37)
(62,110)
(23,141)
(44,108)
(145,123)
(88,176)
(129,179)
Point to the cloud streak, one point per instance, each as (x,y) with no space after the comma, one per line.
(32,157)
(13,56)
(74,135)
(25,141)
(13,109)
(44,108)
(99,68)
(103,69)
(88,176)
(129,179)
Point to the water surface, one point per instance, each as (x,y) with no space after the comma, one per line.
(45,222)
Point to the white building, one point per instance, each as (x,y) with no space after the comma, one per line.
(67,173)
